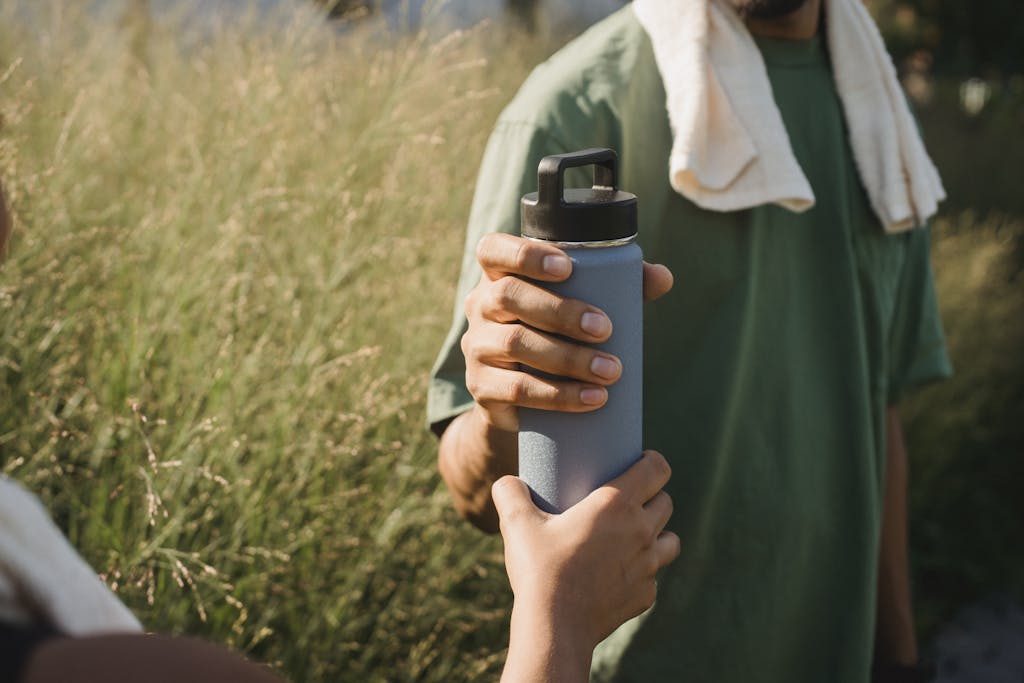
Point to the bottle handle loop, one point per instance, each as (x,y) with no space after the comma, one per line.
(551,172)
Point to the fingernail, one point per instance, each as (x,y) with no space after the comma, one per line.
(595,324)
(604,367)
(556,265)
(592,397)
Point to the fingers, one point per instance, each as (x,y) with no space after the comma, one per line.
(500,254)
(512,500)
(645,478)
(505,345)
(491,386)
(509,299)
(659,510)
(657,280)
(666,548)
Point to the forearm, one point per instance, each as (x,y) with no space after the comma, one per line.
(472,455)
(540,652)
(117,658)
(895,640)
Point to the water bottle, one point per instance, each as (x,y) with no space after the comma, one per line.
(564,456)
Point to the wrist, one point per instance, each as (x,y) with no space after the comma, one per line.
(546,645)
(470,462)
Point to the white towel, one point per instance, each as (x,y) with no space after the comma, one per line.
(730,148)
(42,578)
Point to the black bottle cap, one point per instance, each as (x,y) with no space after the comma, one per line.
(597,214)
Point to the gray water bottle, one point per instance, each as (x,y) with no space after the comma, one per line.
(564,456)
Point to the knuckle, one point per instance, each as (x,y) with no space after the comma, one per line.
(609,498)
(470,304)
(521,259)
(481,389)
(473,386)
(485,247)
(562,397)
(505,293)
(471,349)
(513,339)
(659,466)
(518,389)
(665,500)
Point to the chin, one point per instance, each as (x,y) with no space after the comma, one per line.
(767,9)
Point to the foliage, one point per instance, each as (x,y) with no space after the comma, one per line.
(231,267)
(979,154)
(964,38)
(966,437)
(233,261)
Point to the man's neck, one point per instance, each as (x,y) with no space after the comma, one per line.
(799,25)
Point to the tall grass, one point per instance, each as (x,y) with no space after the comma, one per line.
(232,264)
(966,435)
(233,260)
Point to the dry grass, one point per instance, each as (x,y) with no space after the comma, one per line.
(231,267)
(232,263)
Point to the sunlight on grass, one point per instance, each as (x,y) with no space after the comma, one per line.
(232,264)
(233,260)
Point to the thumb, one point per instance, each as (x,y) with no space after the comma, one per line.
(512,499)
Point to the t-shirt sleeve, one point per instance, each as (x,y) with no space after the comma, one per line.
(917,348)
(507,172)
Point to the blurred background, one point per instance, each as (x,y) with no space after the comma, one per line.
(237,231)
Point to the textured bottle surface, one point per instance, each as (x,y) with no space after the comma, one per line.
(564,456)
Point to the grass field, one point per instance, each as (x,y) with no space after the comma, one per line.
(233,261)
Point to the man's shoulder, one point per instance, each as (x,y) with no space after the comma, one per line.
(585,77)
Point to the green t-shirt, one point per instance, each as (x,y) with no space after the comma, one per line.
(768,367)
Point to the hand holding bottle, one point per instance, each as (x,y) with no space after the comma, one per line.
(513,320)
(578,575)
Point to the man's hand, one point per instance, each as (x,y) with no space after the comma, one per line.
(514,321)
(577,576)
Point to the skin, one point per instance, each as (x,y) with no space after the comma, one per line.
(608,549)
(579,575)
(576,577)
(800,24)
(895,637)
(512,321)
(124,658)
